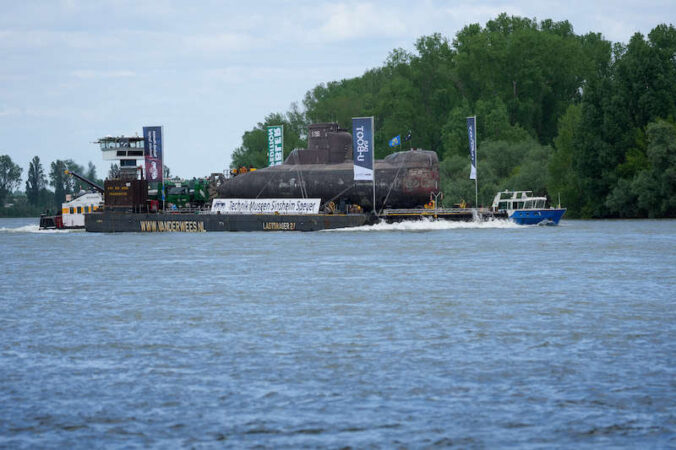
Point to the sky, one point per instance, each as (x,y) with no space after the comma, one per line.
(207,71)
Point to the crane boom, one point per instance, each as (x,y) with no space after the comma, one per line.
(96,186)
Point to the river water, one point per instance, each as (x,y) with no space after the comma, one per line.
(426,335)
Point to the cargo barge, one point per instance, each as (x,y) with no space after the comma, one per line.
(313,189)
(187,222)
(117,222)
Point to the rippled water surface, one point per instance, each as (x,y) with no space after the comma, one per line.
(418,336)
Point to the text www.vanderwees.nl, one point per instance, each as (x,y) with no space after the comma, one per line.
(187,226)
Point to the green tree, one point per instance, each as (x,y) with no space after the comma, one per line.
(454,132)
(10,177)
(531,173)
(90,174)
(73,184)
(35,182)
(114,170)
(655,187)
(536,70)
(500,165)
(622,200)
(512,165)
(432,75)
(254,148)
(562,178)
(397,100)
(60,181)
(455,182)
(610,143)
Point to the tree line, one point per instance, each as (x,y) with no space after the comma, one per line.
(36,196)
(570,116)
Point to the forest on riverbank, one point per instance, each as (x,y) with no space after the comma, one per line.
(558,113)
(36,197)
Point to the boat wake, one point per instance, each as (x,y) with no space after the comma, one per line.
(32,229)
(432,225)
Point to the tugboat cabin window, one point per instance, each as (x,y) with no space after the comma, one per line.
(72,210)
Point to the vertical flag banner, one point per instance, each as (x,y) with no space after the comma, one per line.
(471,131)
(152,150)
(362,148)
(275,145)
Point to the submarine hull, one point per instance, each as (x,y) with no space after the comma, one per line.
(402,180)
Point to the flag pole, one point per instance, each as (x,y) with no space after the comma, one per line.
(374,193)
(373,164)
(476,157)
(471,133)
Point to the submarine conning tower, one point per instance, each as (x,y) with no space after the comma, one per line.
(327,143)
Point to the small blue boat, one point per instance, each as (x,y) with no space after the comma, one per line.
(524,209)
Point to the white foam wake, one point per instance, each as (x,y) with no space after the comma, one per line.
(32,229)
(433,225)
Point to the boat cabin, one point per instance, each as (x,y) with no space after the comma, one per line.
(126,150)
(513,200)
(73,211)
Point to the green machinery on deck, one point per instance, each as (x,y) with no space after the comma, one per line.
(183,193)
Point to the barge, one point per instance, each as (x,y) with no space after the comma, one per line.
(186,222)
(195,222)
(313,189)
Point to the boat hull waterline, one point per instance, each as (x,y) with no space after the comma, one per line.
(537,216)
(125,222)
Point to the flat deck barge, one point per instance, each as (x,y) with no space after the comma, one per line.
(193,222)
(118,222)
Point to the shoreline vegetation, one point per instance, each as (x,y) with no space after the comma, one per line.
(564,115)
(37,198)
(560,114)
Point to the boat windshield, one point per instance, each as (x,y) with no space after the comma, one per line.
(536,203)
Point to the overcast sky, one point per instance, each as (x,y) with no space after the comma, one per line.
(72,71)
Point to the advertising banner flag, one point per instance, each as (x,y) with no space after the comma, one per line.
(152,150)
(362,148)
(471,131)
(275,145)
